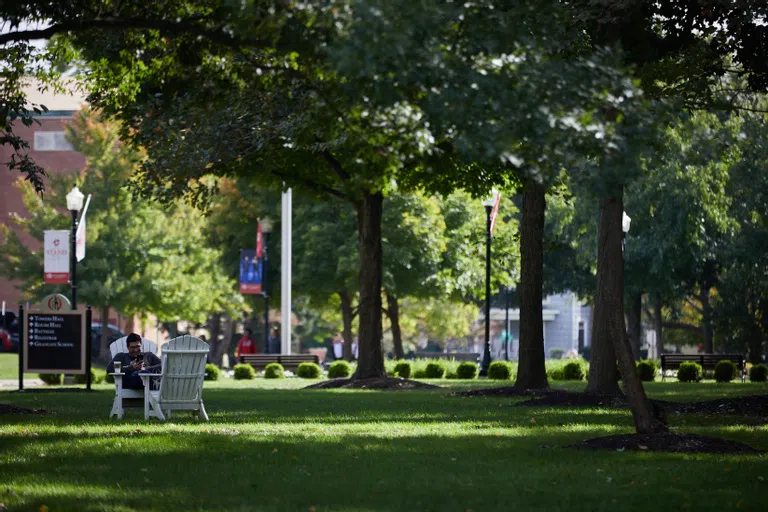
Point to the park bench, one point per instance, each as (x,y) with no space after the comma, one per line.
(458,356)
(707,361)
(289,361)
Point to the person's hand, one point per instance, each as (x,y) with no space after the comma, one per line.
(137,365)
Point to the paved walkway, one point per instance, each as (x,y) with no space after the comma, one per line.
(29,382)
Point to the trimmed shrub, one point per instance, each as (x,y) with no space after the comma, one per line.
(556,353)
(52,379)
(758,373)
(725,371)
(244,371)
(500,370)
(646,370)
(420,374)
(80,378)
(339,370)
(555,373)
(450,374)
(466,370)
(212,372)
(404,369)
(689,372)
(309,370)
(274,371)
(435,370)
(109,379)
(573,371)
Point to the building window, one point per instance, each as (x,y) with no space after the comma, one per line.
(52,141)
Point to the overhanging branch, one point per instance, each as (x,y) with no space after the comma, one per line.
(319,187)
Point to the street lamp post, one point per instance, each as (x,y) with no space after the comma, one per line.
(74,205)
(266,228)
(486,362)
(507,293)
(626,221)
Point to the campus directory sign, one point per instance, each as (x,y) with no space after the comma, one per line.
(54,338)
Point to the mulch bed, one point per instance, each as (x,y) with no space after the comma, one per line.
(375,383)
(506,391)
(12,409)
(669,442)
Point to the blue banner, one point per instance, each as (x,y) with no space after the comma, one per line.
(250,272)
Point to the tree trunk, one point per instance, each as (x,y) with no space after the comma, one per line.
(394,319)
(219,345)
(636,324)
(531,373)
(609,316)
(227,328)
(755,336)
(104,354)
(346,319)
(658,325)
(706,321)
(370,363)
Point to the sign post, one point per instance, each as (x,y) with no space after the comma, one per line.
(54,339)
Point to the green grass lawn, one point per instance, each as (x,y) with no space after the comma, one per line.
(273,446)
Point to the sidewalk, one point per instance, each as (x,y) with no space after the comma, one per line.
(33,382)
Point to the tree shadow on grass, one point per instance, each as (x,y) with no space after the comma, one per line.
(220,470)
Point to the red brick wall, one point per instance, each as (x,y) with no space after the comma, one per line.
(10,196)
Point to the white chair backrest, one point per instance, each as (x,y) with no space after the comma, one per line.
(119,345)
(184,361)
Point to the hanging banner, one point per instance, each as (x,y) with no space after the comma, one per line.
(56,254)
(495,212)
(80,237)
(250,272)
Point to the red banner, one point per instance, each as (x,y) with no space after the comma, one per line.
(259,242)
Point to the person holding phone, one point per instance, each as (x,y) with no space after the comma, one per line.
(134,363)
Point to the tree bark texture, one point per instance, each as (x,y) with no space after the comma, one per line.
(219,345)
(531,373)
(658,324)
(370,362)
(394,318)
(706,321)
(346,319)
(609,313)
(636,324)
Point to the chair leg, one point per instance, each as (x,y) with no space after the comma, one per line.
(201,413)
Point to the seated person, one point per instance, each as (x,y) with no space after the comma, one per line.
(134,363)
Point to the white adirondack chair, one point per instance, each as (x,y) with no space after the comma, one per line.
(115,348)
(181,383)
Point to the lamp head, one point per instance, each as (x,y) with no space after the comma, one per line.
(625,222)
(490,201)
(266,225)
(75,199)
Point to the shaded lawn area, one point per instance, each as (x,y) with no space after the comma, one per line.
(271,447)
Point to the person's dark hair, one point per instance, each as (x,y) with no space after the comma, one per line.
(248,331)
(132,338)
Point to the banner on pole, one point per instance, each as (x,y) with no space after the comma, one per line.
(56,256)
(250,272)
(495,212)
(259,242)
(80,236)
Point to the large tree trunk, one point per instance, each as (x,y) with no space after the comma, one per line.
(104,354)
(706,321)
(531,373)
(371,359)
(636,324)
(658,324)
(346,320)
(394,319)
(609,313)
(755,335)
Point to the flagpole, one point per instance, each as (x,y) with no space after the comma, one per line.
(285,274)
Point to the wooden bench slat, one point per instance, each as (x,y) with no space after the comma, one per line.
(289,361)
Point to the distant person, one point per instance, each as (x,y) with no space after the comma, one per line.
(134,363)
(338,346)
(355,348)
(273,343)
(246,345)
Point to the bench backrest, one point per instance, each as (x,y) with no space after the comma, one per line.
(183,369)
(120,346)
(707,361)
(458,356)
(259,360)
(294,360)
